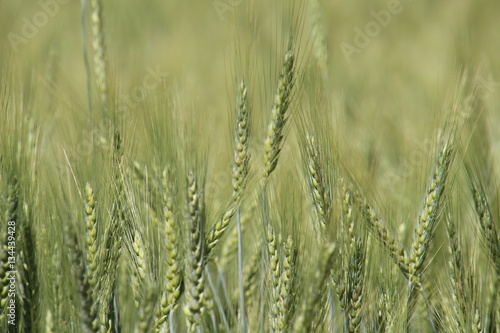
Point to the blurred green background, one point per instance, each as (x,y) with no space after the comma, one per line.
(399,81)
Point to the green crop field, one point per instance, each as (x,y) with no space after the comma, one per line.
(250,166)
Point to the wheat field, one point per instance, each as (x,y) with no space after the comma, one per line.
(249,166)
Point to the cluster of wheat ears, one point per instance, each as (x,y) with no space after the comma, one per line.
(147,249)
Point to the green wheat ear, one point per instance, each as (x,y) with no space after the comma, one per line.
(487,225)
(275,278)
(99,49)
(428,216)
(216,233)
(476,323)
(139,268)
(279,113)
(457,279)
(319,38)
(426,226)
(230,244)
(286,304)
(241,153)
(92,262)
(91,236)
(356,277)
(195,277)
(388,242)
(172,291)
(317,184)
